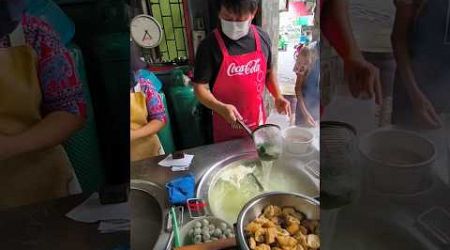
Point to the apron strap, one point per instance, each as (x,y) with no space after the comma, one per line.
(17,37)
(257,38)
(221,42)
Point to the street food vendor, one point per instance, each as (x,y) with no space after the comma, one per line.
(41,106)
(233,68)
(148,114)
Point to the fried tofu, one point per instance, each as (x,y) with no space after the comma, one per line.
(283,229)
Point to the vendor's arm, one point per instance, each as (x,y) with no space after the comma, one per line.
(156,111)
(404,19)
(227,111)
(363,77)
(63,105)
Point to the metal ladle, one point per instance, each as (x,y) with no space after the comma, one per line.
(261,141)
(265,137)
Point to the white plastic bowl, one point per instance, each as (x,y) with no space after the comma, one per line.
(297,140)
(399,162)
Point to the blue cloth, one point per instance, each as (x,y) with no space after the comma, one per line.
(143,73)
(180,189)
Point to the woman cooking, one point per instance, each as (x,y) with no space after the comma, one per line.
(421,42)
(233,67)
(41,106)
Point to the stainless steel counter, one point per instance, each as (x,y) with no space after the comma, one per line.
(205,156)
(149,171)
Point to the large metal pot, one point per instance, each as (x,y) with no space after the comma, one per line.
(255,207)
(291,167)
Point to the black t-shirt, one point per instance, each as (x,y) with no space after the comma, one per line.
(209,57)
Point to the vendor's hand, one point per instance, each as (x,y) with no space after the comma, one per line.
(7,146)
(283,106)
(425,113)
(363,79)
(230,114)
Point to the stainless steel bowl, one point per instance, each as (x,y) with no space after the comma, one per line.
(254,208)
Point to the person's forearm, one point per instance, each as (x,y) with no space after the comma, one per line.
(150,129)
(299,83)
(206,98)
(52,130)
(400,34)
(299,92)
(272,84)
(336,27)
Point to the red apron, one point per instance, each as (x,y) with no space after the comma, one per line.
(240,82)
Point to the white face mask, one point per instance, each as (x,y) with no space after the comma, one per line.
(235,30)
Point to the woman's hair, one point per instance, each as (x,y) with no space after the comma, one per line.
(240,7)
(298,49)
(307,55)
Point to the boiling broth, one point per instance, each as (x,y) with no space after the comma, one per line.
(226,199)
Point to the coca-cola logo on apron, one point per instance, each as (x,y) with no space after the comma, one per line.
(249,68)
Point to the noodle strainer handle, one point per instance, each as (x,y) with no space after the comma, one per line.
(247,129)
